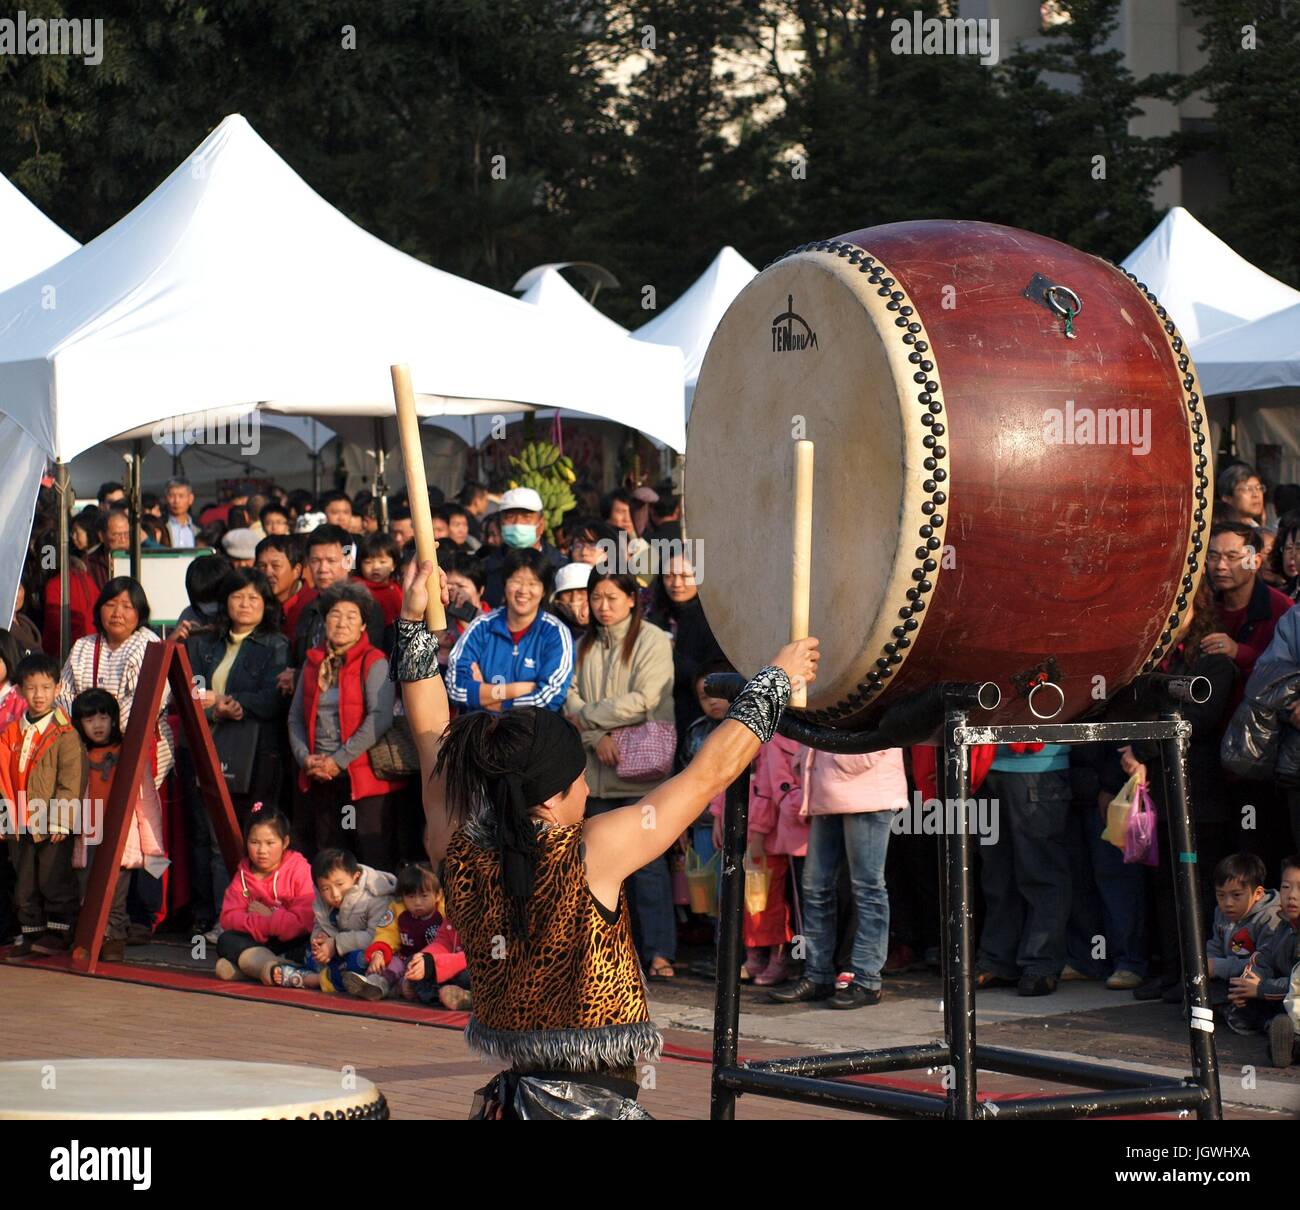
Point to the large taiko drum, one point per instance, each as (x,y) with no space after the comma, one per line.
(1011,469)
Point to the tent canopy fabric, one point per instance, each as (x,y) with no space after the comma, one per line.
(556,297)
(1202,282)
(29,242)
(234,282)
(689,323)
(1259,356)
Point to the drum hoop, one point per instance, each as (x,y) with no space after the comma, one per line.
(909,605)
(1182,596)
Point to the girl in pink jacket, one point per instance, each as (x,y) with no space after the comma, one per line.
(267,910)
(778,830)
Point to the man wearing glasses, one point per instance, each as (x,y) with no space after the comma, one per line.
(1248,608)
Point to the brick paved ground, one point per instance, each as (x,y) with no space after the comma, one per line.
(425,1072)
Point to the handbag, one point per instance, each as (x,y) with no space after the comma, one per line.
(645,752)
(236,743)
(394,754)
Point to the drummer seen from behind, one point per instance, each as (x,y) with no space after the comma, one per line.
(527,876)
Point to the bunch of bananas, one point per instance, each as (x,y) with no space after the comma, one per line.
(548,472)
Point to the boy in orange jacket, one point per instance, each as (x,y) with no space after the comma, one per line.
(43,773)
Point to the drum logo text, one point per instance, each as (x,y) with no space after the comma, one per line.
(785,337)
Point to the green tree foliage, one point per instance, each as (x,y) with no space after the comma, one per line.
(1253,78)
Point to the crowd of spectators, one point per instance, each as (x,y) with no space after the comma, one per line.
(288,628)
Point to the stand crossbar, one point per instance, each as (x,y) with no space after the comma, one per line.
(816,1079)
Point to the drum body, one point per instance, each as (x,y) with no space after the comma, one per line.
(994,498)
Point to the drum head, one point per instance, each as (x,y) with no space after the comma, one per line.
(153,1089)
(809,349)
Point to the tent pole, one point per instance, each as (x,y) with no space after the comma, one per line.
(315,460)
(63,487)
(136,511)
(381,481)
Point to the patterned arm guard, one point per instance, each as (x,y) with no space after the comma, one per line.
(759,704)
(415,653)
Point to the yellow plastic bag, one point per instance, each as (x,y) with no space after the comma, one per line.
(758,877)
(1121,807)
(702,883)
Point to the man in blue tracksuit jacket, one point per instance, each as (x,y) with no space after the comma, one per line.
(543,654)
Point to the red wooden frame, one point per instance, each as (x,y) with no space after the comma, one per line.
(164,663)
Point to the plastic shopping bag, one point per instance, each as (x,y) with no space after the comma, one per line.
(702,883)
(758,877)
(1118,812)
(1140,846)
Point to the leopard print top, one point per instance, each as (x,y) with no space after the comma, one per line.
(572,998)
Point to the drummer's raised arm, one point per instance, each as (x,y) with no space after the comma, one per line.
(620,842)
(424,697)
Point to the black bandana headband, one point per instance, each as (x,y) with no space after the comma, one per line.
(555,760)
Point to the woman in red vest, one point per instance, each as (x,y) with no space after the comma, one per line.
(342,705)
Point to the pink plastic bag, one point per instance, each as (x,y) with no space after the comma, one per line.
(1140,846)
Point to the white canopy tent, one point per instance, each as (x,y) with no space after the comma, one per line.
(29,242)
(1202,282)
(556,297)
(1259,356)
(234,282)
(690,322)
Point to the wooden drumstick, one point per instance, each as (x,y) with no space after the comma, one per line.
(801,570)
(426,545)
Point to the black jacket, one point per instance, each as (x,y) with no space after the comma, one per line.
(251,680)
(694,647)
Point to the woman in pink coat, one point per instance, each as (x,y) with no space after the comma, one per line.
(778,830)
(850,800)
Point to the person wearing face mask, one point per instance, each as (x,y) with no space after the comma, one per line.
(517,655)
(522,526)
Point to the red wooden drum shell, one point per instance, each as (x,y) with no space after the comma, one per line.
(993,500)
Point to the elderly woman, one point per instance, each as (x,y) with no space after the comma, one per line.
(343,703)
(110,659)
(1241,495)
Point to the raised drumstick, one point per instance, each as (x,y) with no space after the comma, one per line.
(801,569)
(408,432)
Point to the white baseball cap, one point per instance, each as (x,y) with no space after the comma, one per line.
(240,543)
(521,497)
(572,575)
(307,522)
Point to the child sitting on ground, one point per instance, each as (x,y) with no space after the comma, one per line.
(42,778)
(377,557)
(352,903)
(1246,916)
(97,718)
(1255,996)
(267,910)
(415,920)
(440,968)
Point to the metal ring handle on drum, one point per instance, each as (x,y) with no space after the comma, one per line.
(1049,296)
(1052,687)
